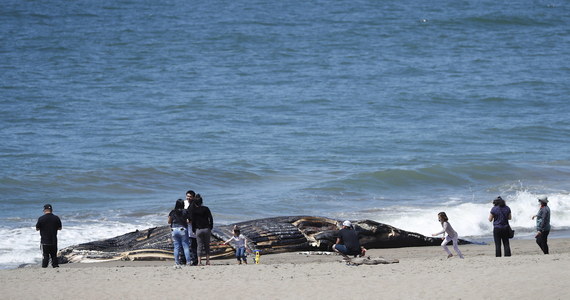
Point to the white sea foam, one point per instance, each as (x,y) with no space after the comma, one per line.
(470,219)
(22,245)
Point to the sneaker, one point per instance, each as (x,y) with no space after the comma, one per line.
(177,267)
(450,256)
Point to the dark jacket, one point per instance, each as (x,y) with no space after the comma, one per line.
(48,225)
(202,218)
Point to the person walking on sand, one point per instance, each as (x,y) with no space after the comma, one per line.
(178,220)
(542,224)
(451,235)
(347,242)
(240,245)
(500,216)
(48,225)
(202,224)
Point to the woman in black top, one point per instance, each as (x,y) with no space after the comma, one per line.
(202,224)
(178,220)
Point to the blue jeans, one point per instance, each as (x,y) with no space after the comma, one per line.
(342,249)
(180,238)
(240,254)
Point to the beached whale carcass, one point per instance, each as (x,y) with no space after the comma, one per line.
(270,235)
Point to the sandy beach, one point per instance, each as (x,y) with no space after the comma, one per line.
(422,273)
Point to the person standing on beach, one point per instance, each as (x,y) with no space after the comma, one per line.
(202,224)
(189,198)
(500,216)
(542,224)
(347,242)
(178,220)
(451,235)
(191,235)
(48,225)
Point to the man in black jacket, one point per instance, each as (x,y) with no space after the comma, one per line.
(48,225)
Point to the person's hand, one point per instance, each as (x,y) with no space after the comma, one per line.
(433,234)
(538,233)
(533,217)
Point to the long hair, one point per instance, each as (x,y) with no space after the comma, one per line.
(179,210)
(198,200)
(499,202)
(443,216)
(179,204)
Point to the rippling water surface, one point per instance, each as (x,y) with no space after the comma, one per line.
(392,111)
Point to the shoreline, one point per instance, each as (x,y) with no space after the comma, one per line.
(422,273)
(477,240)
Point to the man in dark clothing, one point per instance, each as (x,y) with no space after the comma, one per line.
(188,205)
(48,225)
(347,242)
(543,224)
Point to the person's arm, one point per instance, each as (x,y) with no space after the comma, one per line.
(170,220)
(59,221)
(246,245)
(510,216)
(187,216)
(540,222)
(193,217)
(226,242)
(442,231)
(491,217)
(210,220)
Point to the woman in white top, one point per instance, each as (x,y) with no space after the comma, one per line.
(451,235)
(240,245)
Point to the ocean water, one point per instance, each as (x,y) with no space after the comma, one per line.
(383,110)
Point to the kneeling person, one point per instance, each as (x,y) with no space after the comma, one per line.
(347,242)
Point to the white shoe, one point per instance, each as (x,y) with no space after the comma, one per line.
(177,267)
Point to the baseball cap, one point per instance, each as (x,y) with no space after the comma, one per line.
(543,199)
(47,206)
(346,223)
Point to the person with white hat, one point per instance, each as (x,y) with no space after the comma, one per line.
(347,242)
(542,224)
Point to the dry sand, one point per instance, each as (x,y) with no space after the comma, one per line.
(422,273)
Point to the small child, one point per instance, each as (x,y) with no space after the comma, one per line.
(451,235)
(240,245)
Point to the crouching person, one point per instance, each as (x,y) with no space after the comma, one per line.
(347,242)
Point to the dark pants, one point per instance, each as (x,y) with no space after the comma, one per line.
(542,241)
(50,251)
(501,234)
(194,251)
